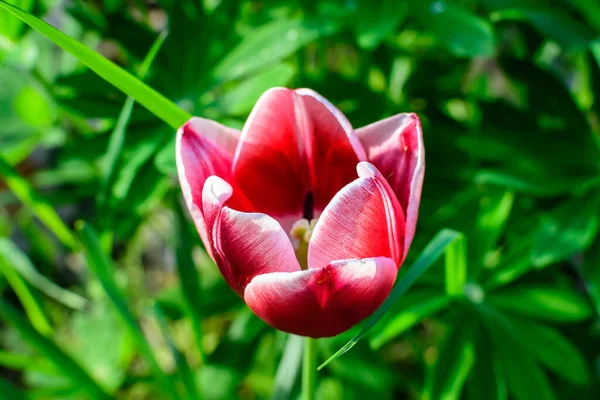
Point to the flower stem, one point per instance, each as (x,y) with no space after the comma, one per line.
(309,370)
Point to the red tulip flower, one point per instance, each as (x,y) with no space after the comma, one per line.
(307,219)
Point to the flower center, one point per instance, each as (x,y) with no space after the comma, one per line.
(302,231)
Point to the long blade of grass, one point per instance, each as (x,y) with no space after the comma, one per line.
(21,264)
(117,137)
(155,102)
(40,207)
(102,268)
(26,297)
(183,368)
(52,352)
(189,278)
(428,257)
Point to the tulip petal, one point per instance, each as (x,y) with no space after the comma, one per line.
(363,220)
(335,149)
(205,148)
(395,146)
(294,143)
(243,245)
(322,302)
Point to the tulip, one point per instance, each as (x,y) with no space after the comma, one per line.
(307,219)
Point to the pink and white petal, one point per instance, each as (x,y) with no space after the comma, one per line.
(243,245)
(395,146)
(270,164)
(333,151)
(203,148)
(293,143)
(363,220)
(322,302)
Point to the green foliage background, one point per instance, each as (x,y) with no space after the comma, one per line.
(509,96)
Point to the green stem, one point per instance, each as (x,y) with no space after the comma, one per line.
(309,370)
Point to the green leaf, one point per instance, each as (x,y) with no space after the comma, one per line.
(430,255)
(455,266)
(121,79)
(525,379)
(462,32)
(103,269)
(455,359)
(183,369)
(33,107)
(549,347)
(10,27)
(241,99)
(378,20)
(117,138)
(12,392)
(567,230)
(569,32)
(289,366)
(515,262)
(132,167)
(270,43)
(26,362)
(591,274)
(218,382)
(34,311)
(98,341)
(165,159)
(407,318)
(40,207)
(546,303)
(590,10)
(52,352)
(493,213)
(189,279)
(488,380)
(13,256)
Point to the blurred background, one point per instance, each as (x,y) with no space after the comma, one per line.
(508,93)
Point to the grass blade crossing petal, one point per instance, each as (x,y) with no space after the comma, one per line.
(430,254)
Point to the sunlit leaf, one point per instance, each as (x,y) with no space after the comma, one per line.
(491,220)
(455,266)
